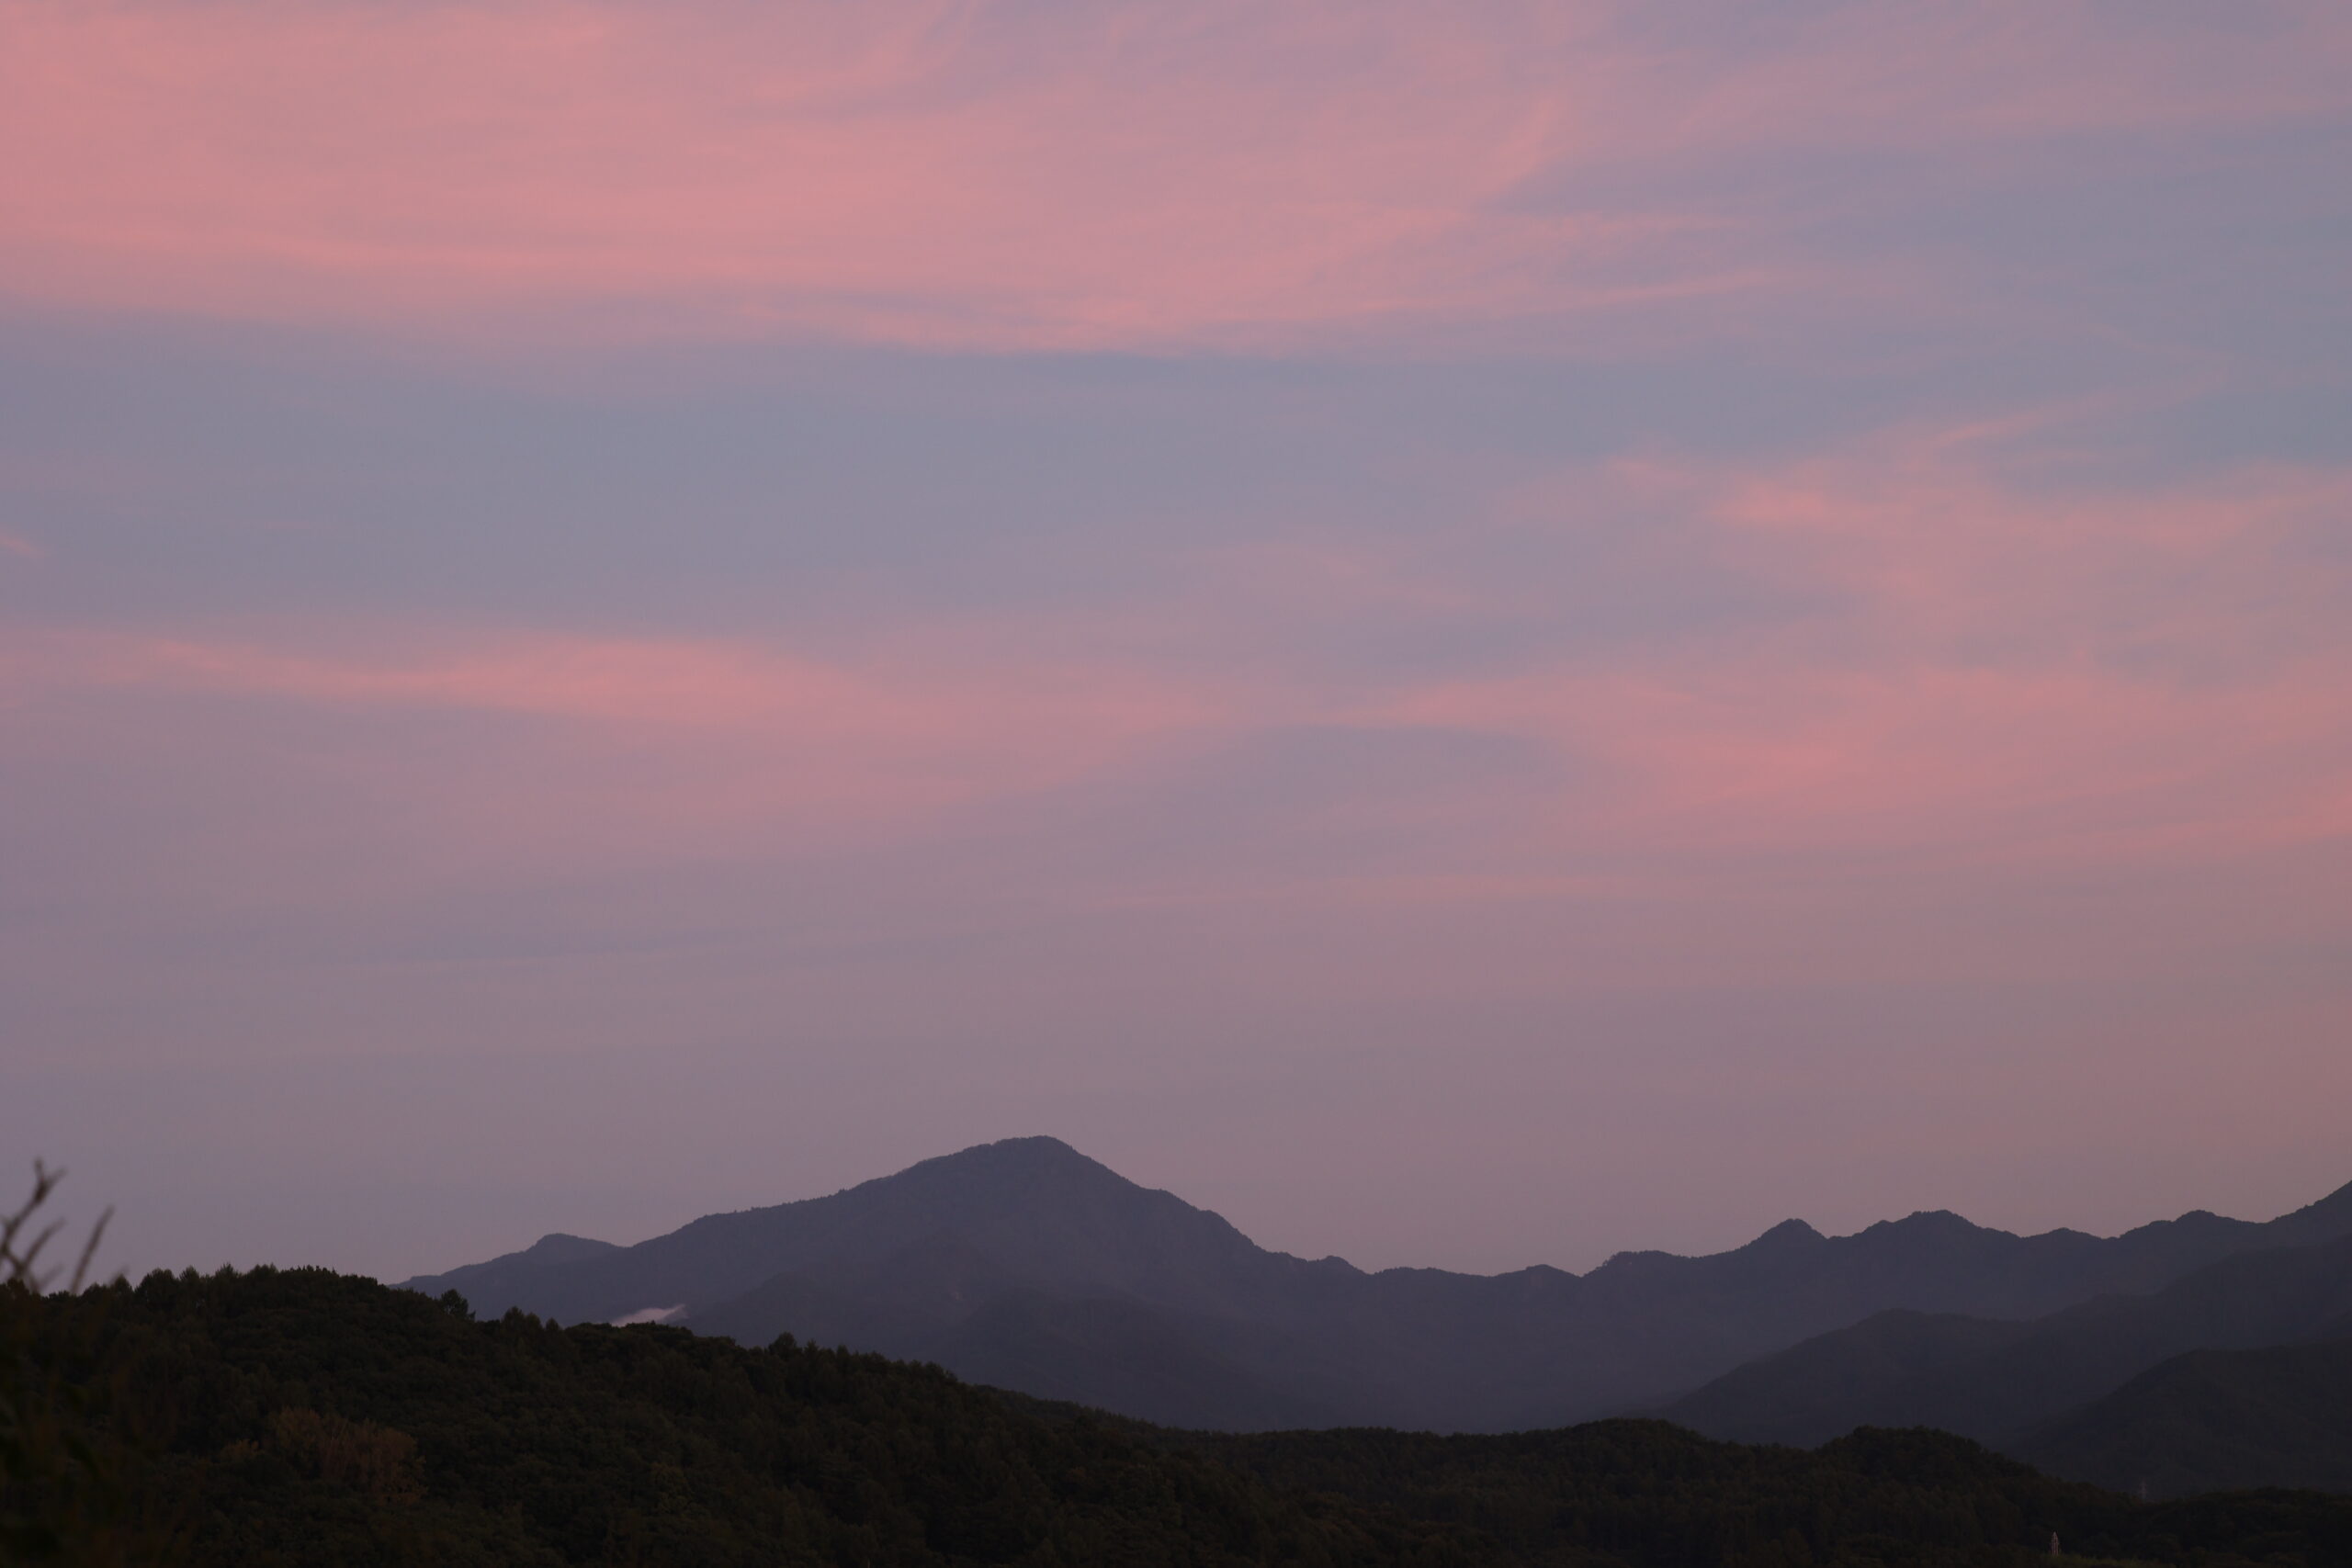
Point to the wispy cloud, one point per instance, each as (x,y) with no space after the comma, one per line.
(1025,176)
(729,738)
(1974,654)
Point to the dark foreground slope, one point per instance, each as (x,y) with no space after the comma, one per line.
(1026,1264)
(305,1417)
(2211,1419)
(1644,1492)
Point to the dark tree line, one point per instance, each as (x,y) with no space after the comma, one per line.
(1648,1493)
(304,1417)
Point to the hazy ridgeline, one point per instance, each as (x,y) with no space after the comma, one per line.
(1024,1265)
(304,1417)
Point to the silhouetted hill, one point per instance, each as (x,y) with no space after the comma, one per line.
(302,1417)
(1031,1209)
(2211,1420)
(554,1247)
(1993,1380)
(1027,1263)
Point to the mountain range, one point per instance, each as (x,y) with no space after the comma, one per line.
(1025,1265)
(1997,1381)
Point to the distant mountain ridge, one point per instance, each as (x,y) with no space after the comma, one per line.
(1993,1380)
(1026,1264)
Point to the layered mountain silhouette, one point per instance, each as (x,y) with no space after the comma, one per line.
(1026,1265)
(1996,1381)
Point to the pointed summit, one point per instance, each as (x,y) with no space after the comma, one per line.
(1787,1235)
(1037,1149)
(1022,1162)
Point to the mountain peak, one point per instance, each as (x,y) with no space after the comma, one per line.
(557,1247)
(1930,1222)
(1023,1162)
(1787,1233)
(1035,1150)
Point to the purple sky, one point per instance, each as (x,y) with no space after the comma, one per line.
(1474,636)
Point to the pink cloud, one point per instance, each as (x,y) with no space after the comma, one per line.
(957,175)
(2017,665)
(788,170)
(662,742)
(1998,663)
(1960,549)
(1934,765)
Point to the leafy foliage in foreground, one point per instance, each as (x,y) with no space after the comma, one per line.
(64,1496)
(306,1418)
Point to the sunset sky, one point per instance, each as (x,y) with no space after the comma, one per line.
(1473,633)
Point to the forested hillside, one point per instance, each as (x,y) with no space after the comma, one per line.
(304,1417)
(2278,1415)
(1648,1492)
